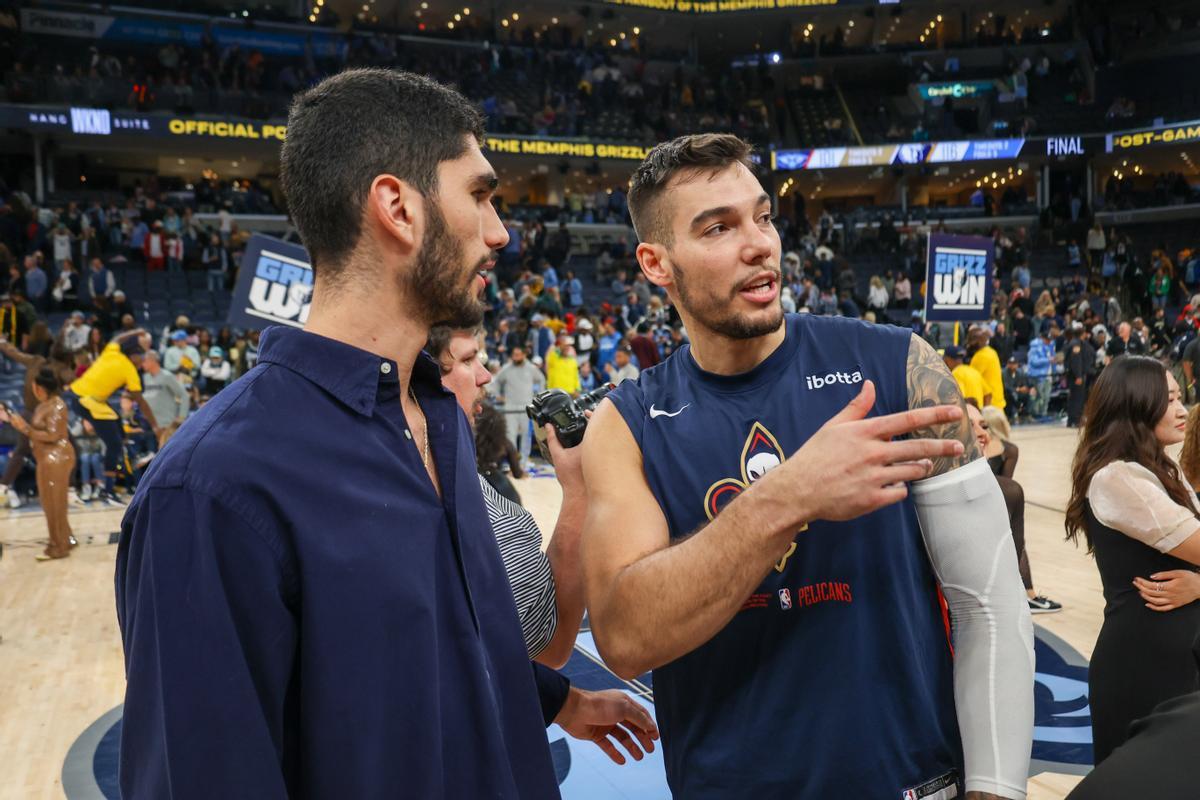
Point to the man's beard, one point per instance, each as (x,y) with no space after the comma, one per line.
(717,315)
(436,280)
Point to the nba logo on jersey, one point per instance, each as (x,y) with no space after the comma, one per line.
(909,794)
(785,599)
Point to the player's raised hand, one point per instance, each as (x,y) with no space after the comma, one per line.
(854,465)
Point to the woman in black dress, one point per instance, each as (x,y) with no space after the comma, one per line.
(1140,520)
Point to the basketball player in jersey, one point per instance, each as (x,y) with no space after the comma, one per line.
(759,537)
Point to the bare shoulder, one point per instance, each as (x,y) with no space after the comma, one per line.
(931,384)
(608,442)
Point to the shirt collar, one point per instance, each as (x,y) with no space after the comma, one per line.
(351,375)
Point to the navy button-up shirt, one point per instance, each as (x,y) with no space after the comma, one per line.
(303,616)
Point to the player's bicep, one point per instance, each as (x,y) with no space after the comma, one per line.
(931,384)
(624,522)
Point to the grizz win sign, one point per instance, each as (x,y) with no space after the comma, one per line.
(274,285)
(958,278)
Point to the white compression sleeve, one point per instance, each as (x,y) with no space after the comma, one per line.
(965,524)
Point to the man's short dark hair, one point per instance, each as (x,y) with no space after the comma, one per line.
(702,152)
(438,343)
(354,126)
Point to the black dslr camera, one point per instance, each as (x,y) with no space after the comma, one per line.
(566,414)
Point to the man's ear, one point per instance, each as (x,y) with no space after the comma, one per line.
(396,211)
(655,262)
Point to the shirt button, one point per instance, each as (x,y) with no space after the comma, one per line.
(385,368)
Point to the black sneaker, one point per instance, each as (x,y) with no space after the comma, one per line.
(1043,605)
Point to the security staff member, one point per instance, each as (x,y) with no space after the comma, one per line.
(1077,363)
(117,368)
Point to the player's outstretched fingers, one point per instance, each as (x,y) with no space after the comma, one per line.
(916,449)
(906,472)
(644,737)
(913,420)
(622,736)
(610,749)
(858,408)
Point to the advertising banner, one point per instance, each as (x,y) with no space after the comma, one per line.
(274,287)
(546,146)
(1175,133)
(958,278)
(956,89)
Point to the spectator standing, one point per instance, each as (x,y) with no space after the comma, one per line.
(165,394)
(74,333)
(514,386)
(1160,288)
(540,335)
(1078,363)
(182,359)
(1041,369)
(644,348)
(154,248)
(587,377)
(1018,391)
(66,288)
(1096,245)
(986,361)
(174,250)
(61,243)
(622,368)
(562,370)
(1139,518)
(877,297)
(15,320)
(558,249)
(969,381)
(101,284)
(585,341)
(1126,342)
(902,293)
(215,260)
(37,285)
(215,371)
(574,289)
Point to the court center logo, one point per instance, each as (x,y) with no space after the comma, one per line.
(760,454)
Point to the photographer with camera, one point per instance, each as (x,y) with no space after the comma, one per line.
(548,587)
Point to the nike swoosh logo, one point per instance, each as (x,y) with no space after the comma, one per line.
(658,412)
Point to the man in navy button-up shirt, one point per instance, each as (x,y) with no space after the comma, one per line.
(311,600)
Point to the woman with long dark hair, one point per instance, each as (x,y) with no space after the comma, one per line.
(1142,523)
(493,448)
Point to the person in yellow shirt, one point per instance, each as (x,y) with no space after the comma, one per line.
(970,382)
(562,370)
(117,368)
(986,361)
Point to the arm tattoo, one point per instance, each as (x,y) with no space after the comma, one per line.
(931,384)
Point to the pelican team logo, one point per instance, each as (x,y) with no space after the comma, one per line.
(760,454)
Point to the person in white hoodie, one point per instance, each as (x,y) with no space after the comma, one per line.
(215,371)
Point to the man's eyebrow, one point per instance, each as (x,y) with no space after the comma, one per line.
(486,180)
(720,211)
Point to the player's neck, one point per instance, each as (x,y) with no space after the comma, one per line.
(722,355)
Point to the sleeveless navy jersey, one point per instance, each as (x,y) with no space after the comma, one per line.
(834,679)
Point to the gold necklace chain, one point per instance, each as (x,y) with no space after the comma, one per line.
(425,426)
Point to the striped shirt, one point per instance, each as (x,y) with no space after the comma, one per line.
(528,568)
